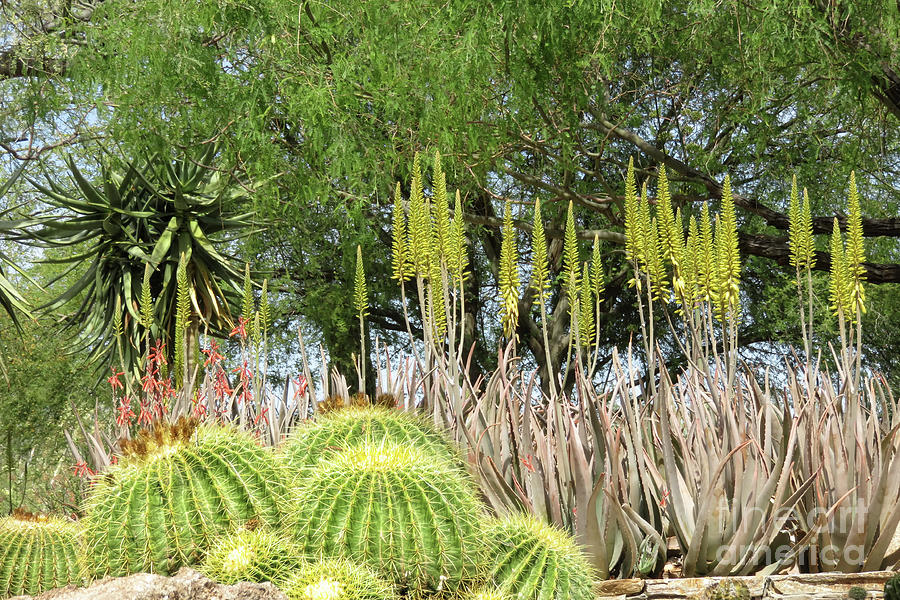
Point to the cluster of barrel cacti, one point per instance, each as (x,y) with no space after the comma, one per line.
(364,503)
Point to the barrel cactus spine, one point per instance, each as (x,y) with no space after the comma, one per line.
(415,519)
(255,554)
(39,553)
(536,561)
(337,579)
(345,427)
(174,490)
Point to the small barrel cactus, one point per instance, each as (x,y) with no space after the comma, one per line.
(857,593)
(38,553)
(414,518)
(892,588)
(336,579)
(340,429)
(256,555)
(533,560)
(176,489)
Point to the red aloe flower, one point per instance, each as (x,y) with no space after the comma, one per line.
(240,329)
(212,354)
(124,413)
(157,354)
(113,380)
(302,385)
(146,416)
(82,470)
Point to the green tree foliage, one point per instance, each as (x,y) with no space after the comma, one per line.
(44,383)
(524,99)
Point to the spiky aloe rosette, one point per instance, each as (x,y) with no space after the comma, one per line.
(336,579)
(533,560)
(251,555)
(174,490)
(38,553)
(345,427)
(411,516)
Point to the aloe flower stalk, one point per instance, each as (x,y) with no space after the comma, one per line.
(265,312)
(247,304)
(655,266)
(838,284)
(706,256)
(586,309)
(645,230)
(800,235)
(598,284)
(633,242)
(361,304)
(419,224)
(571,262)
(728,259)
(540,283)
(669,232)
(540,270)
(509,276)
(182,319)
(856,254)
(400,260)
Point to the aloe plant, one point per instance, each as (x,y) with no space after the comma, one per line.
(336,579)
(154,212)
(174,491)
(533,560)
(39,553)
(252,553)
(852,443)
(398,508)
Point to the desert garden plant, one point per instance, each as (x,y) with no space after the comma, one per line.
(892,588)
(397,508)
(252,553)
(39,553)
(336,579)
(174,490)
(352,425)
(857,593)
(532,560)
(152,212)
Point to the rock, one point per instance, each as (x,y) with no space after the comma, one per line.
(619,587)
(187,584)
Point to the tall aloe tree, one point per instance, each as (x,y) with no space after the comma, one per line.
(131,229)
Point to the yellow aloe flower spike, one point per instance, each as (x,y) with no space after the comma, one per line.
(509,276)
(856,253)
(586,309)
(540,270)
(400,261)
(419,224)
